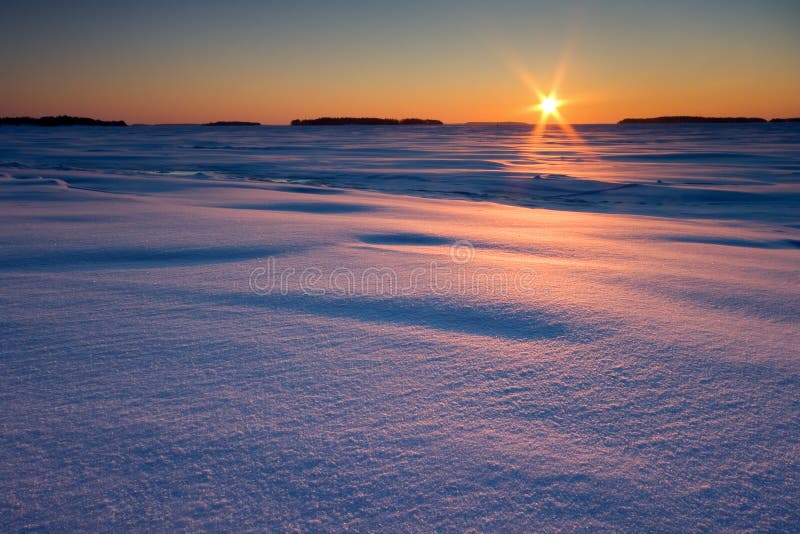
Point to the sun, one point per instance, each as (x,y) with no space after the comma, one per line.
(549,105)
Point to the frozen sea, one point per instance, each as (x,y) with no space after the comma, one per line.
(400,328)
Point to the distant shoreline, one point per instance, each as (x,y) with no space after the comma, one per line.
(232,123)
(685,119)
(68,120)
(497,123)
(371,121)
(60,120)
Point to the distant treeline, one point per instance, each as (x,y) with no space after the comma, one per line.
(61,120)
(676,119)
(232,123)
(339,121)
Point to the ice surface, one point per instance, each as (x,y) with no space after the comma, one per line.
(608,369)
(684,170)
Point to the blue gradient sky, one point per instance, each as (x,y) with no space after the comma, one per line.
(457,61)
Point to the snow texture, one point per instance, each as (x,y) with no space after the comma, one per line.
(626,359)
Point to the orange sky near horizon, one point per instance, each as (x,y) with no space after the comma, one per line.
(175,66)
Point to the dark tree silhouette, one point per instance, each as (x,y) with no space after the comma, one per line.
(60,120)
(679,119)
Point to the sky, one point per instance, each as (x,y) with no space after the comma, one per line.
(457,61)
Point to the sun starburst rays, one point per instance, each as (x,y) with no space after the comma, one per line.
(549,103)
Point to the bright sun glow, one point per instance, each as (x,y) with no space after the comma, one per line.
(549,105)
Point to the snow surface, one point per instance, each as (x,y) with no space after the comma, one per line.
(610,370)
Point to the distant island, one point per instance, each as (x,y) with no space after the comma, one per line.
(340,121)
(61,120)
(680,119)
(232,123)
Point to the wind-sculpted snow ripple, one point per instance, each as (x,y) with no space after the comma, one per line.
(645,378)
(130,258)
